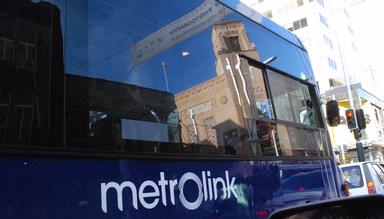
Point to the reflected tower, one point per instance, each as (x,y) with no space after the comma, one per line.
(228,39)
(220,111)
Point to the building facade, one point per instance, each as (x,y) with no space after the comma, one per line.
(326,31)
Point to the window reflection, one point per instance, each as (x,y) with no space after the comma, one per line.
(300,141)
(32,74)
(126,76)
(261,96)
(268,139)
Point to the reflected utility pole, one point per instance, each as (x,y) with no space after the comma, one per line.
(194,125)
(165,68)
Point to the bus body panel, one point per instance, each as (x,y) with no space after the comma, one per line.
(90,188)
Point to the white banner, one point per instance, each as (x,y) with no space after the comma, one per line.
(190,24)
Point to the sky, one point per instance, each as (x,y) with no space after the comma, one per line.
(367,19)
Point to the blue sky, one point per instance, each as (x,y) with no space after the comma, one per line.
(99,36)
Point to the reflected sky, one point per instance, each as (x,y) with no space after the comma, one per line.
(99,36)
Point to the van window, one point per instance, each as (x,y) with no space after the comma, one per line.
(379,172)
(353,175)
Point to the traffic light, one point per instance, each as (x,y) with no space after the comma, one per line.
(360,119)
(333,113)
(357,134)
(351,119)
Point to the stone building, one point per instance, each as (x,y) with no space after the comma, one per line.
(221,111)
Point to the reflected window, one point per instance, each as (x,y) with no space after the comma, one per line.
(232,43)
(260,94)
(6,49)
(268,139)
(231,142)
(26,55)
(303,141)
(296,141)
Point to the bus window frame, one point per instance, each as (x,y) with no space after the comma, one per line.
(37,152)
(312,92)
(312,88)
(107,154)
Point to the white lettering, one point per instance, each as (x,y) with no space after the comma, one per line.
(215,189)
(190,205)
(172,184)
(163,183)
(210,186)
(119,190)
(230,187)
(151,192)
(205,186)
(143,195)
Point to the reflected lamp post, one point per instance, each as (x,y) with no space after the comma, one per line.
(165,69)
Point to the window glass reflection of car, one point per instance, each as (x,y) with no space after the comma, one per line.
(299,188)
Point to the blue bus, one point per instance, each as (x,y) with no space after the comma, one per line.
(156,109)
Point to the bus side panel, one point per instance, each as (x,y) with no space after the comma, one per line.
(70,188)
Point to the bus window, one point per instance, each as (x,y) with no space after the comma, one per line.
(300,141)
(261,96)
(298,134)
(292,100)
(127,77)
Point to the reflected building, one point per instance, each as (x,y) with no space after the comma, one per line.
(41,105)
(86,107)
(105,114)
(222,111)
(31,73)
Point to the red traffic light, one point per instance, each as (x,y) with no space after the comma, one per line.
(350,117)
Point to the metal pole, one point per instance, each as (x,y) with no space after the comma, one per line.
(359,146)
(360,151)
(342,59)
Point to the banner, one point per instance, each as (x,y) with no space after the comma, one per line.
(205,15)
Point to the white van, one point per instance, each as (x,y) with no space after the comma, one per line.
(364,177)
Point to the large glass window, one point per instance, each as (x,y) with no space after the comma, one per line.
(297,117)
(292,100)
(142,76)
